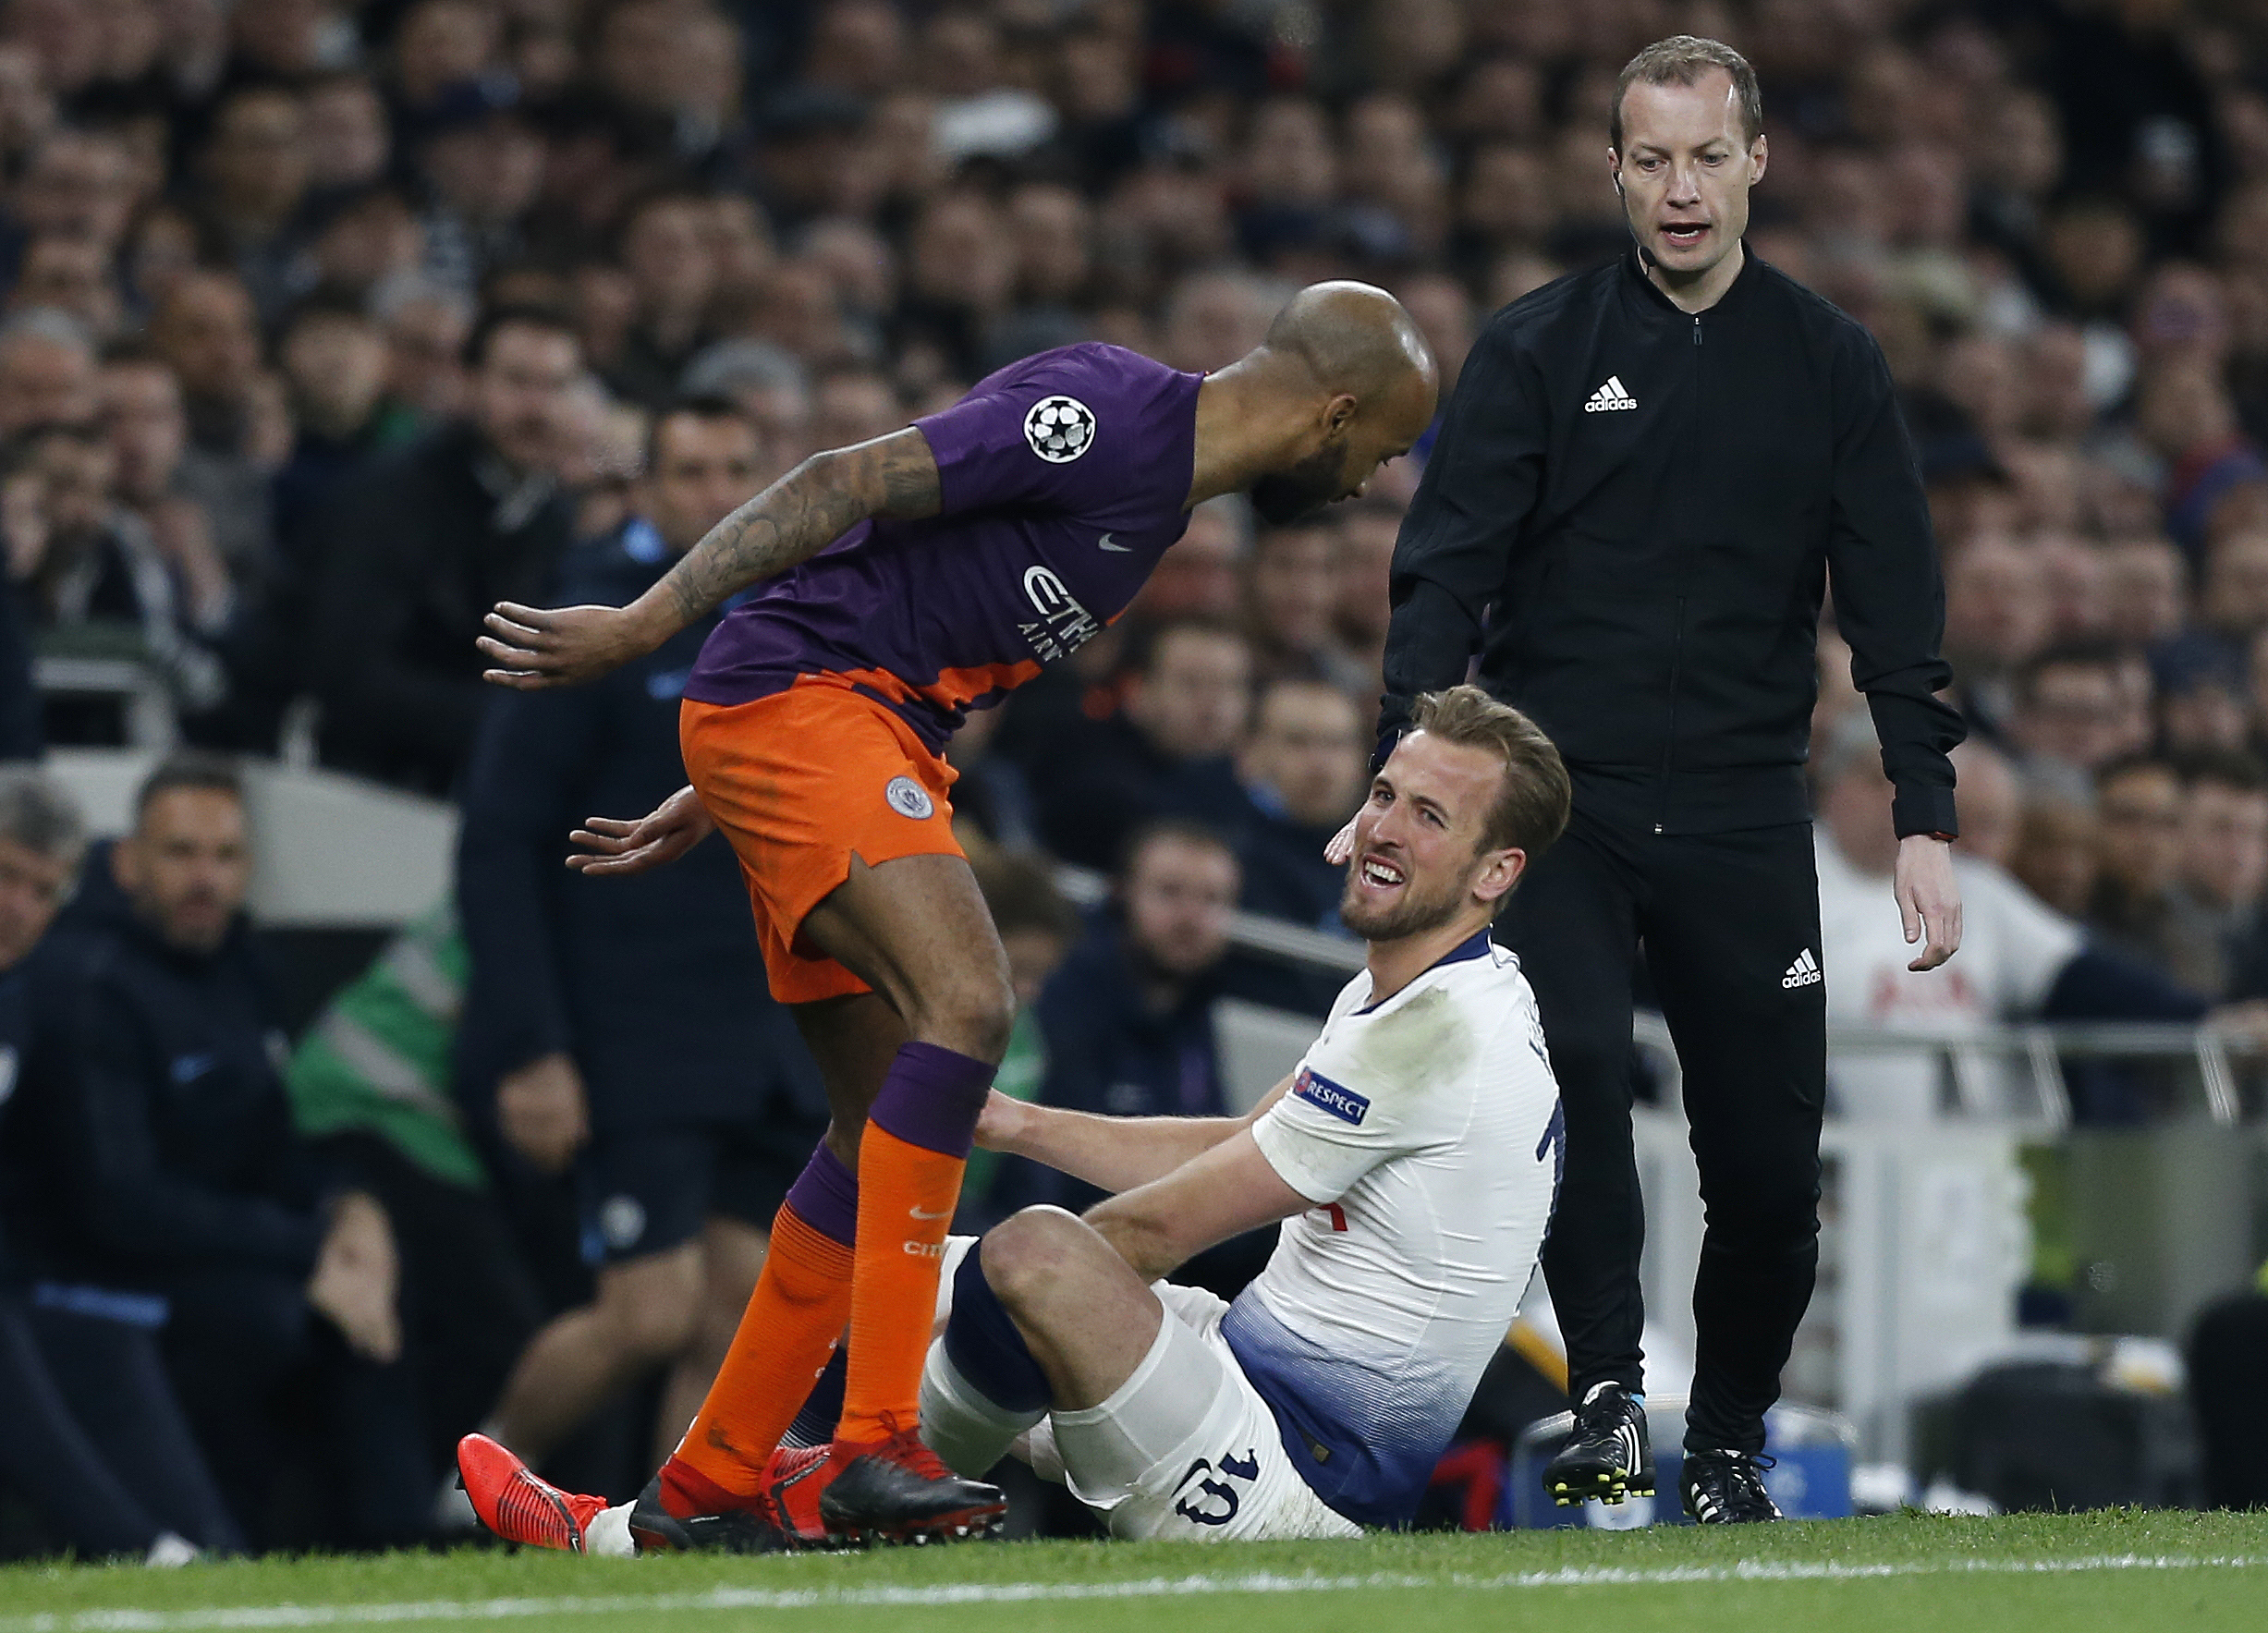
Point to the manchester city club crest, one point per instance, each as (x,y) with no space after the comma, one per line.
(1059,428)
(908,799)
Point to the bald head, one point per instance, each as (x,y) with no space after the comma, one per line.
(1353,384)
(1355,338)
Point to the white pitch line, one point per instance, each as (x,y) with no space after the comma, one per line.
(733,1599)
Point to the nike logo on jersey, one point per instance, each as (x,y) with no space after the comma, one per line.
(925,1214)
(1108,541)
(1803,972)
(1610,397)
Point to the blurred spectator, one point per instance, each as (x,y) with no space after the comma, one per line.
(2029,962)
(206,330)
(2138,818)
(1197,577)
(2057,853)
(1166,752)
(622,1022)
(2215,901)
(1998,618)
(371,1088)
(91,1432)
(426,543)
(2067,716)
(332,358)
(255,170)
(46,371)
(1364,598)
(1127,1018)
(1303,768)
(161,1157)
(663,244)
(426,327)
(112,581)
(481,162)
(1290,594)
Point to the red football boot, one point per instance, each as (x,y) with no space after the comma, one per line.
(516,1503)
(794,1478)
(895,1490)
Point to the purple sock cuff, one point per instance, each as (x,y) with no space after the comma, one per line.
(826,1196)
(931,1098)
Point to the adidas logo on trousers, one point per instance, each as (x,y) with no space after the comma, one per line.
(1803,972)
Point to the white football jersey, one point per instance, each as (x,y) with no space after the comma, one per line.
(1427,1131)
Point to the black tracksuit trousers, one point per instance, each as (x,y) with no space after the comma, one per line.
(1720,918)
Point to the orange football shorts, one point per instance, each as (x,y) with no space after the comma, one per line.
(800,782)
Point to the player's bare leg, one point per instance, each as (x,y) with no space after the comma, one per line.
(642,1316)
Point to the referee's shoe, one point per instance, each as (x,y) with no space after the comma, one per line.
(1607,1456)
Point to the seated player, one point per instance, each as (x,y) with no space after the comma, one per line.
(912,580)
(1415,1152)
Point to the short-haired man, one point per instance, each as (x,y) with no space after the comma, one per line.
(1649,470)
(1414,1155)
(162,1158)
(1167,752)
(1302,769)
(89,1431)
(421,541)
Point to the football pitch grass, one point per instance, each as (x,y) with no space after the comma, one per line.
(2131,1571)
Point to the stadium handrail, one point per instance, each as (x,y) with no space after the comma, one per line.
(1973,1051)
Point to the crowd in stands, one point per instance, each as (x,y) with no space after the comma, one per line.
(328,324)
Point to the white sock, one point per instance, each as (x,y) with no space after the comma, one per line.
(171,1551)
(961,1426)
(608,1534)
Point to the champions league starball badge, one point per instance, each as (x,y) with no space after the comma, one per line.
(1059,428)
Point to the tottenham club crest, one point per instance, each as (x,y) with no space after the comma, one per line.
(1059,428)
(908,799)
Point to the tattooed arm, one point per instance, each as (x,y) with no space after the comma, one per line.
(790,521)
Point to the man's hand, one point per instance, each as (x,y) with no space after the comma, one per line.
(534,649)
(1929,898)
(542,1111)
(1341,850)
(1000,1125)
(611,845)
(356,1278)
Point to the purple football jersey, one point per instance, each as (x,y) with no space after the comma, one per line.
(1063,477)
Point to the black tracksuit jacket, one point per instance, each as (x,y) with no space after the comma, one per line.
(1633,511)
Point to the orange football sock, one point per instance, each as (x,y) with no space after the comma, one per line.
(906,1194)
(785,1337)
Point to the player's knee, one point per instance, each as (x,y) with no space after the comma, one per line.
(1031,1254)
(652,1308)
(973,1014)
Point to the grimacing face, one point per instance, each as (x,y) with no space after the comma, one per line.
(1685,168)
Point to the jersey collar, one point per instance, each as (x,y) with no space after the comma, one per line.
(1476,945)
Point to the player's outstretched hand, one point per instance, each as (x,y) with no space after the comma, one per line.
(611,845)
(1341,850)
(532,648)
(1929,898)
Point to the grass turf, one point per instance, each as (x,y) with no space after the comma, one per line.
(2064,1572)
